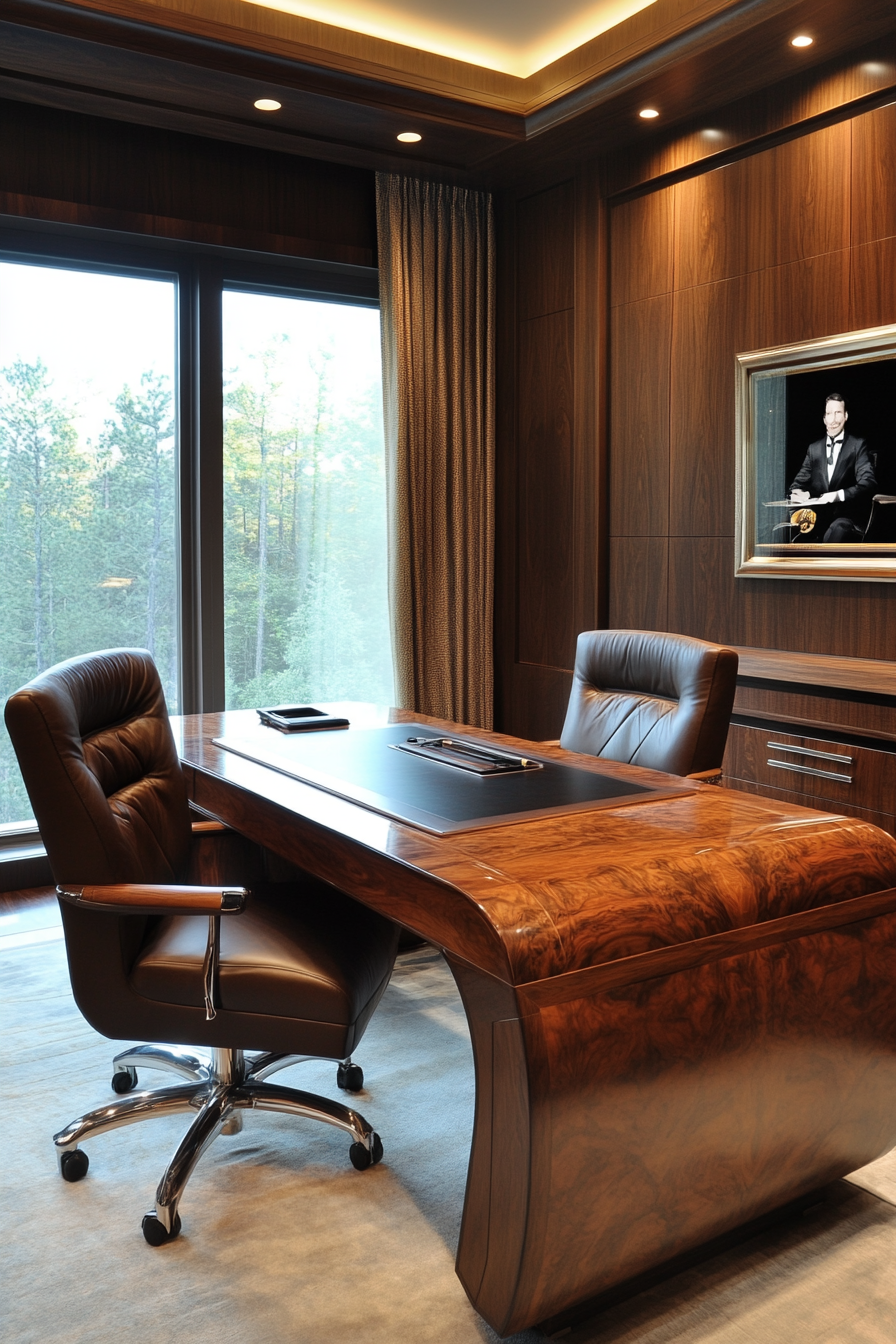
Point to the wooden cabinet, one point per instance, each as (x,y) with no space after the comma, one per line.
(816,731)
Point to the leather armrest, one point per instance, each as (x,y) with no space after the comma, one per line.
(135,898)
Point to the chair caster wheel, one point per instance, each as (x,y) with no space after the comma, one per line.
(74,1165)
(124,1080)
(154,1229)
(350,1077)
(362,1157)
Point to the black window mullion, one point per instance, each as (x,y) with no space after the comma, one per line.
(208,490)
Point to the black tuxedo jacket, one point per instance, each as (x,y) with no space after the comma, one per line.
(853,474)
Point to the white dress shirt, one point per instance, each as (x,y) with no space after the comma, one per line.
(832,452)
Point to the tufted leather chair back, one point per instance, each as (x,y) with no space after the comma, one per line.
(99,762)
(657,700)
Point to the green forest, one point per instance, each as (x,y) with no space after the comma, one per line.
(89,552)
(306,612)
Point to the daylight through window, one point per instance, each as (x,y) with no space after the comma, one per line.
(88,472)
(305,592)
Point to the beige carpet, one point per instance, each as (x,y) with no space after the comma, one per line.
(284,1241)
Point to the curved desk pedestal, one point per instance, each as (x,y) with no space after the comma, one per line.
(683,1013)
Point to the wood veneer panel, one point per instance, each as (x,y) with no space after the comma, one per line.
(859,716)
(546,251)
(872,284)
(703,598)
(709,324)
(591,378)
(639,583)
(852,620)
(875,675)
(168,176)
(803,300)
(539,697)
(873,180)
(640,352)
(781,205)
(724,221)
(546,626)
(641,247)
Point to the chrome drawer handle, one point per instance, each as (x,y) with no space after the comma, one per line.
(810,770)
(804,751)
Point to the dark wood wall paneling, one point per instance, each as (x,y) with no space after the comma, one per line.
(69,168)
(549,449)
(795,242)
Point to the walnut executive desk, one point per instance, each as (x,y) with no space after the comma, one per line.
(683,1011)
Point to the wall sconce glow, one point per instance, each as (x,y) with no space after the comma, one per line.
(409,137)
(648,113)
(710,134)
(802,41)
(268,105)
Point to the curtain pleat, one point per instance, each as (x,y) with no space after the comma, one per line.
(436,259)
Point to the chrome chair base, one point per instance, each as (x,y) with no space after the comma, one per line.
(219,1090)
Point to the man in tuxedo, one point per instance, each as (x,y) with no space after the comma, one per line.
(836,480)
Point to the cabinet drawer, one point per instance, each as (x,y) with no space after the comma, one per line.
(833,771)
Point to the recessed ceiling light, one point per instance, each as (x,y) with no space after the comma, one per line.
(409,137)
(648,113)
(268,105)
(802,41)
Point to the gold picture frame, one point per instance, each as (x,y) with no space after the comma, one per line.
(779,407)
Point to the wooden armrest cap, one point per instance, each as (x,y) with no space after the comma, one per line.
(143,898)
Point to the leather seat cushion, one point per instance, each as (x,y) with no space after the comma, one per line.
(299,950)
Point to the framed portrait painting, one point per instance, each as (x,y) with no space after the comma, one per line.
(816,459)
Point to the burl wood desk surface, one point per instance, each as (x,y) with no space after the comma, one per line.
(546,897)
(683,1012)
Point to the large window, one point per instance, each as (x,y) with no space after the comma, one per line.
(191,461)
(87,476)
(306,614)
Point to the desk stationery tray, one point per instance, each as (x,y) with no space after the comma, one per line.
(362,766)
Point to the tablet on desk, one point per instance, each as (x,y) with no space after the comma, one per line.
(299,718)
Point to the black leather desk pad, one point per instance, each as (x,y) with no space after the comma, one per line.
(359,765)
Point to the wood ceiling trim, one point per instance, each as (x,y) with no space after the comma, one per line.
(313,44)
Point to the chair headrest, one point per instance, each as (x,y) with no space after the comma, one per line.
(98,758)
(653,699)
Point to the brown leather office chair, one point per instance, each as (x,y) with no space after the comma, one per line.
(662,701)
(294,971)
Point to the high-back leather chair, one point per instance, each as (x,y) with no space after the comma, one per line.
(662,701)
(293,971)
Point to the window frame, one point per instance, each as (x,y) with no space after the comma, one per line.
(201,273)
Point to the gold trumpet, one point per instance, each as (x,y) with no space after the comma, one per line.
(804,519)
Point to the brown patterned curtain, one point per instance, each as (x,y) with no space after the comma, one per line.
(436,258)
